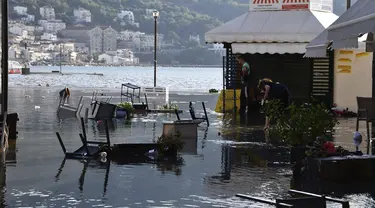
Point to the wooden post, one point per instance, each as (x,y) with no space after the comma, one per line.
(4,56)
(373,103)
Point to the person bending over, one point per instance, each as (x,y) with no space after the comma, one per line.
(274,91)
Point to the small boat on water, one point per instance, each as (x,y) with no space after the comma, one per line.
(14,67)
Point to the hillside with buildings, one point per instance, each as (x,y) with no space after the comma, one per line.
(116,32)
(119,32)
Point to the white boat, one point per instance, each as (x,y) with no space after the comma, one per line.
(14,67)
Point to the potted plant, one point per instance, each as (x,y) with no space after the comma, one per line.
(169,145)
(125,110)
(213,91)
(169,107)
(300,125)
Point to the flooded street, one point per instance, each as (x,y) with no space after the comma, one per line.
(225,161)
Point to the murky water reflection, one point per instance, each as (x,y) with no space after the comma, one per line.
(226,160)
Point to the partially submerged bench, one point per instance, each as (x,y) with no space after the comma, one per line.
(308,200)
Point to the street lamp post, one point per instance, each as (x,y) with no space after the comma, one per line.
(155,14)
(61,51)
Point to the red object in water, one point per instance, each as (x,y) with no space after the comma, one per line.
(329,147)
(338,112)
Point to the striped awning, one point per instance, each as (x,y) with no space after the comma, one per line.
(317,48)
(271,48)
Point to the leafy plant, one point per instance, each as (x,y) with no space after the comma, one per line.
(126,106)
(169,107)
(300,125)
(273,109)
(213,91)
(169,143)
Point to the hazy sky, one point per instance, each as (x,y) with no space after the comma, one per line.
(339,6)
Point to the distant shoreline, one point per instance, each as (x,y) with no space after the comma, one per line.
(137,65)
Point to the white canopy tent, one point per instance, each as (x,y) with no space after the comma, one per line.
(272,31)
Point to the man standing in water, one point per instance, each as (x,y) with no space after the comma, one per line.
(245,81)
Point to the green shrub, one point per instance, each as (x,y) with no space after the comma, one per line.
(169,143)
(127,106)
(169,107)
(300,125)
(213,91)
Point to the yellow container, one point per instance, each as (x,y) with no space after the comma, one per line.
(229,100)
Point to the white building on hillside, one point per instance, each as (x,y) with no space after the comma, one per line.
(145,42)
(82,15)
(48,36)
(29,18)
(52,26)
(109,39)
(47,12)
(20,10)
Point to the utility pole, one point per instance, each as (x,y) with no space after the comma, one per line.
(60,59)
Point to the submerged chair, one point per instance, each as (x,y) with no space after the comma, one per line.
(197,120)
(65,110)
(89,149)
(365,113)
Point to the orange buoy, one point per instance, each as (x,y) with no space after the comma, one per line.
(11,71)
(18,71)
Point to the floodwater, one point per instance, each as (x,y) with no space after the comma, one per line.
(176,79)
(228,158)
(206,179)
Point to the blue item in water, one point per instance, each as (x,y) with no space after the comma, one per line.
(121,113)
(357,140)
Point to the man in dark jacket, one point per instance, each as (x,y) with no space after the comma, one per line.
(245,82)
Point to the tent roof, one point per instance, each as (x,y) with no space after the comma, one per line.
(272,27)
